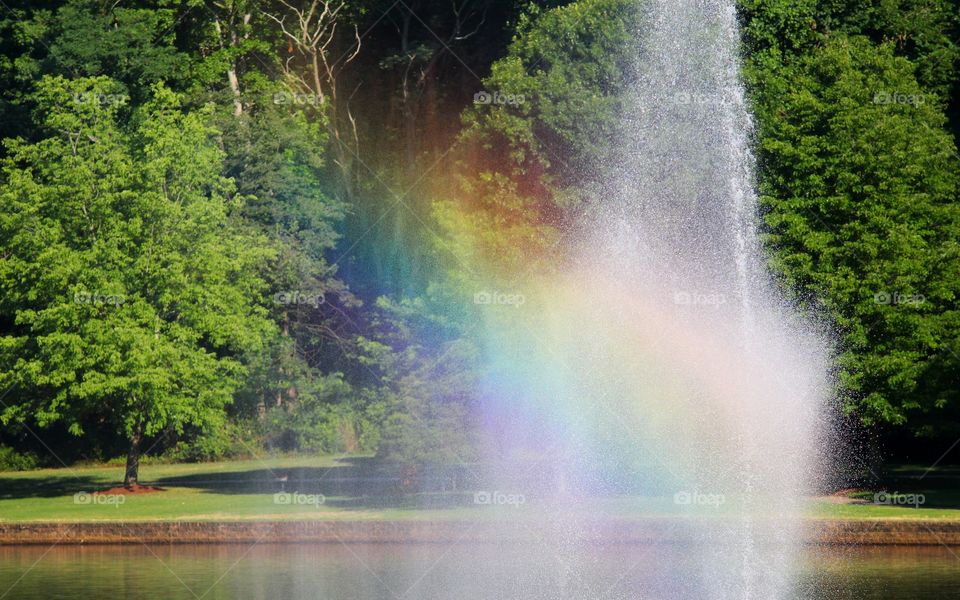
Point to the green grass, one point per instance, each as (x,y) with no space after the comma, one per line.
(872,511)
(245,490)
(242,489)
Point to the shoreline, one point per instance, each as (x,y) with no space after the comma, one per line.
(864,532)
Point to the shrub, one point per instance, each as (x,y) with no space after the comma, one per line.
(231,439)
(11,460)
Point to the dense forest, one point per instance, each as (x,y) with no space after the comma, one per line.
(240,226)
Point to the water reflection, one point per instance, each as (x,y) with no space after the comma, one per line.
(441,571)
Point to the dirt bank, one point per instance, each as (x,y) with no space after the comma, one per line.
(820,531)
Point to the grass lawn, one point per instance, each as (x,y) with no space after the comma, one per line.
(935,491)
(243,489)
(246,490)
(827,510)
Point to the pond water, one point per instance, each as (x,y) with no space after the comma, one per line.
(443,571)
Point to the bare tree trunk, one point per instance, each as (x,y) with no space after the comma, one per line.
(229,35)
(235,87)
(311,33)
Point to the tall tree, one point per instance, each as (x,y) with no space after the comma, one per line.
(859,186)
(130,286)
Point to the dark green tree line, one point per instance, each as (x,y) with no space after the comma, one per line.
(250,218)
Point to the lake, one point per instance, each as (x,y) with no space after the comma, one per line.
(443,571)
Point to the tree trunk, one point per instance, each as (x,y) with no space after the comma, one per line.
(234,40)
(133,459)
(235,88)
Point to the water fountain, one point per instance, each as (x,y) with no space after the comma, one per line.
(664,362)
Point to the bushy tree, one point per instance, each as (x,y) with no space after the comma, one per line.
(859,182)
(424,377)
(555,99)
(531,146)
(129,287)
(923,31)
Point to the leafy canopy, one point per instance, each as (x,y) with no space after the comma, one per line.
(131,287)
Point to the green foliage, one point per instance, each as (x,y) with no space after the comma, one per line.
(11,460)
(780,26)
(327,417)
(492,224)
(923,31)
(132,45)
(148,239)
(131,287)
(555,101)
(860,183)
(229,439)
(570,67)
(276,157)
(425,377)
(82,38)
